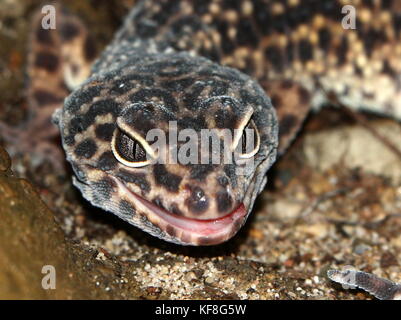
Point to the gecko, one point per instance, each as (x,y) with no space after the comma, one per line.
(257,66)
(382,289)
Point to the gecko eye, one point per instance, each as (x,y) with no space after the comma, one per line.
(249,143)
(129,151)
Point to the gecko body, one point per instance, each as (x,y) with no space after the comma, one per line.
(217,65)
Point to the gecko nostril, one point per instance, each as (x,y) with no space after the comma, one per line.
(197,202)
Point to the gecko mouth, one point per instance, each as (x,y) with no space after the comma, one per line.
(190,230)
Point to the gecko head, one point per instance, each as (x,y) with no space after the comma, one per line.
(176,145)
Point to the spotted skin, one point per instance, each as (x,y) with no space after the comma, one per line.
(211,65)
(58,60)
(195,191)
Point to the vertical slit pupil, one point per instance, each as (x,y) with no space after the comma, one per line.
(129,149)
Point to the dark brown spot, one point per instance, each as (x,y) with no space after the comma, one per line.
(289,51)
(105,131)
(207,241)
(397,23)
(275,57)
(197,202)
(324,39)
(170,230)
(178,84)
(342,51)
(388,259)
(387,4)
(47,61)
(137,178)
(168,180)
(219,88)
(287,84)
(387,69)
(276,101)
(101,107)
(86,149)
(69,140)
(373,38)
(107,161)
(288,122)
(227,44)
(43,98)
(304,96)
(246,35)
(305,50)
(174,209)
(68,31)
(81,97)
(369,3)
(89,49)
(224,202)
(148,95)
(43,36)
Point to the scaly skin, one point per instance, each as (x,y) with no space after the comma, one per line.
(207,65)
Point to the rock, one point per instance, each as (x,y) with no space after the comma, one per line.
(354,146)
(30,239)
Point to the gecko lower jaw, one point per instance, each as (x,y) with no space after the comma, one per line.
(189,231)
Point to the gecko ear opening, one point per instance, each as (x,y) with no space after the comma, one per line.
(129,151)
